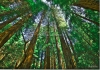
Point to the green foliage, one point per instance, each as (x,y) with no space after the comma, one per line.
(84,35)
(2,9)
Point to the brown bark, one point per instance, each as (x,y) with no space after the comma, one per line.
(53,58)
(12,19)
(5,13)
(47,61)
(27,61)
(54,62)
(66,50)
(88,4)
(96,23)
(48,58)
(72,47)
(8,21)
(63,64)
(9,33)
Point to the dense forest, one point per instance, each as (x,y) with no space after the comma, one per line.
(49,34)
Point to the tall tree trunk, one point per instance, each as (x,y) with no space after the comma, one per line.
(27,61)
(58,50)
(12,19)
(88,4)
(72,47)
(5,13)
(96,23)
(63,64)
(65,48)
(47,62)
(54,61)
(8,21)
(9,33)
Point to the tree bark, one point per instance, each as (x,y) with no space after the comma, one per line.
(47,61)
(66,50)
(27,61)
(8,21)
(5,13)
(54,62)
(88,4)
(9,33)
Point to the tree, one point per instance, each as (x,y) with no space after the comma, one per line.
(27,61)
(88,4)
(67,55)
(8,33)
(67,38)
(47,53)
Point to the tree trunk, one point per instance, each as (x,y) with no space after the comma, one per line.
(5,13)
(12,19)
(47,61)
(54,62)
(9,33)
(8,21)
(66,50)
(27,61)
(88,4)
